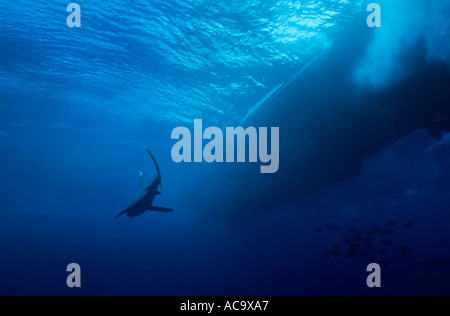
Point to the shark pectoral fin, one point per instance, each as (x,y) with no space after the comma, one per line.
(160,209)
(123,213)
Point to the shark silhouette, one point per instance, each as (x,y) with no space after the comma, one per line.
(143,199)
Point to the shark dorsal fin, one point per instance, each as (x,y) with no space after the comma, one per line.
(141,179)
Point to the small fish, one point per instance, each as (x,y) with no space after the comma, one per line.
(369,246)
(346,240)
(409,225)
(441,263)
(386,242)
(337,246)
(362,254)
(367,239)
(406,256)
(318,230)
(382,251)
(404,249)
(353,250)
(335,253)
(353,230)
(351,253)
(355,245)
(391,224)
(387,232)
(332,227)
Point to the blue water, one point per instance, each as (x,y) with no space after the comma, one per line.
(76,106)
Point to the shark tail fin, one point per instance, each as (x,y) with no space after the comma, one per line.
(156,165)
(122,213)
(160,209)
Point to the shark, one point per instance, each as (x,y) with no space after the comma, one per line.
(143,199)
